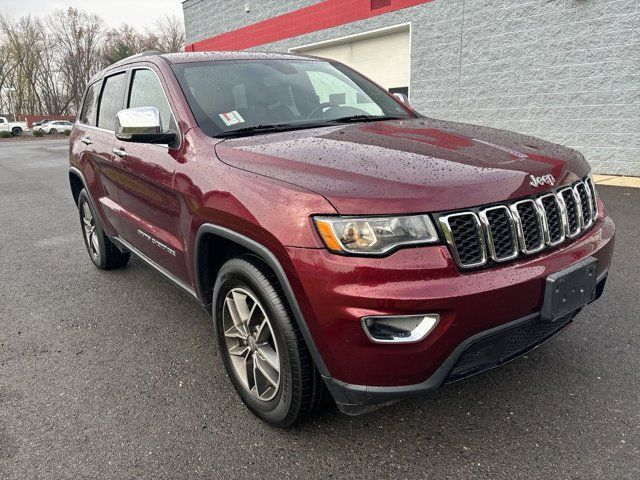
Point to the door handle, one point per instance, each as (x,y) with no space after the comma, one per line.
(86,140)
(119,152)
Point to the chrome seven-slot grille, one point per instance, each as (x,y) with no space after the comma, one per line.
(504,232)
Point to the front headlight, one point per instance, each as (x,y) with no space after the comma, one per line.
(374,235)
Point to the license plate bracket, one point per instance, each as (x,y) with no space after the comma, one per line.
(569,289)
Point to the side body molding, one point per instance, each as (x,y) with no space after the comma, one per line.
(270,259)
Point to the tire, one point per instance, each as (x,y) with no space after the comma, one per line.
(103,252)
(16,131)
(296,390)
(53,131)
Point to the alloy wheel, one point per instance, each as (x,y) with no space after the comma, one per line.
(90,234)
(251,344)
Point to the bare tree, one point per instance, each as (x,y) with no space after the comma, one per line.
(78,36)
(166,36)
(122,42)
(169,34)
(6,69)
(54,90)
(23,61)
(45,63)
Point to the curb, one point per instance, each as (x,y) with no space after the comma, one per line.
(617,181)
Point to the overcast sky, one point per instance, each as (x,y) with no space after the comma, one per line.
(138,13)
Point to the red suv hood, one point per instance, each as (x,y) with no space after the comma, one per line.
(419,165)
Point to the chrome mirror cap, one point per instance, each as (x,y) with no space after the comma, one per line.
(139,120)
(142,125)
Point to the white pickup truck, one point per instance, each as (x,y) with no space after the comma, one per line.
(16,128)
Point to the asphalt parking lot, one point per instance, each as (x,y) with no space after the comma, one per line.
(115,374)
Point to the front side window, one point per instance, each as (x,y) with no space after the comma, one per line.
(111,101)
(228,96)
(146,91)
(89,107)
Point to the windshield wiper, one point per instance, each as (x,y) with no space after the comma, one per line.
(363,118)
(281,127)
(262,128)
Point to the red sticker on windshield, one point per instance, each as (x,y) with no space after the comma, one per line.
(231,118)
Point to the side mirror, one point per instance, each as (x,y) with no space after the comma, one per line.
(142,125)
(402,97)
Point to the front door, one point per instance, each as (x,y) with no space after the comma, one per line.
(150,206)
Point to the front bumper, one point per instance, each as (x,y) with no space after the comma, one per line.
(479,353)
(335,292)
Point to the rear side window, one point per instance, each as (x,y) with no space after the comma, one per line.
(90,106)
(146,91)
(111,101)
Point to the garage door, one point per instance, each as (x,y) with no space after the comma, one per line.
(384,57)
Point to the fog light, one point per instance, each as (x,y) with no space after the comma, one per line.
(399,328)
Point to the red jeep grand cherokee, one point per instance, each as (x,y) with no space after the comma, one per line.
(344,243)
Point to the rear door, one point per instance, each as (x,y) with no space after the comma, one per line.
(151,208)
(92,145)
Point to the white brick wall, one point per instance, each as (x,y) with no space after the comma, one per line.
(564,70)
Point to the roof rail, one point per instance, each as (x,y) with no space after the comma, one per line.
(147,53)
(150,52)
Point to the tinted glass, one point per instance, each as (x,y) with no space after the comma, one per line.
(332,89)
(226,96)
(89,107)
(111,101)
(146,91)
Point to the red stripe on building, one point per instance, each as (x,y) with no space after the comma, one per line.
(327,14)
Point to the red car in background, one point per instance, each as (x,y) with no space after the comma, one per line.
(344,244)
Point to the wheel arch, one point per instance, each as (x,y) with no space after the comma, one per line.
(210,241)
(76,183)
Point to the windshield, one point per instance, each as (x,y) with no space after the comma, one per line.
(228,96)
